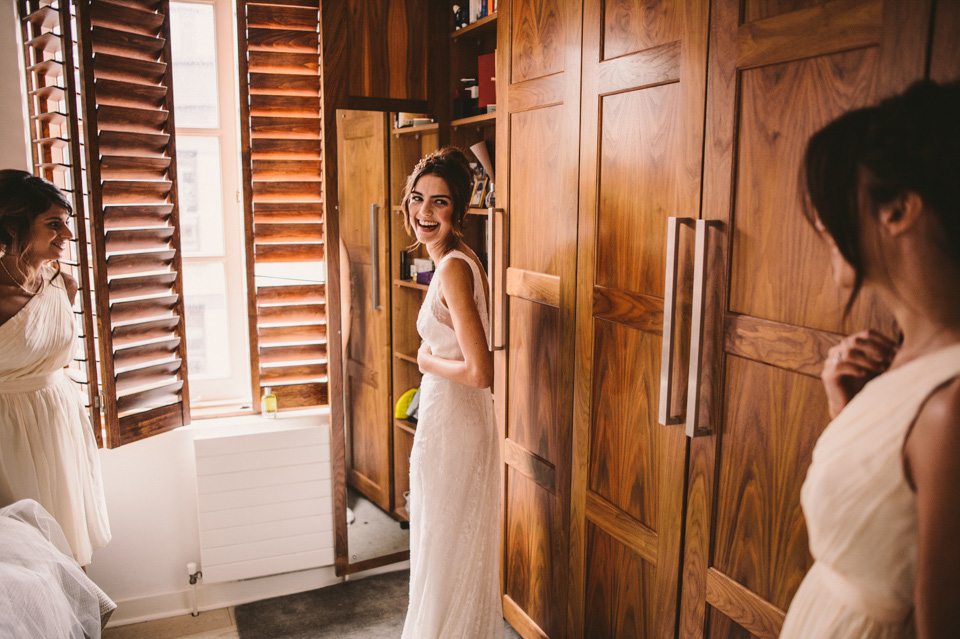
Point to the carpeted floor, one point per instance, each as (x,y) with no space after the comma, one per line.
(369,608)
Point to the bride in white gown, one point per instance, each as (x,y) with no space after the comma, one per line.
(455,461)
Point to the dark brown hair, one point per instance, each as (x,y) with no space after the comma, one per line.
(451,165)
(23,198)
(907,143)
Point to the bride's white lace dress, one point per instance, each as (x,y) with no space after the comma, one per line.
(454,493)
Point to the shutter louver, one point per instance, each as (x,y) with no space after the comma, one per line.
(283,204)
(131,164)
(47,29)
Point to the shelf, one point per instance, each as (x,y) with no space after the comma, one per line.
(406,425)
(420,128)
(483,118)
(476,210)
(477,28)
(410,284)
(407,358)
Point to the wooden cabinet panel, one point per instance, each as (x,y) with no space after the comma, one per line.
(778,259)
(624,433)
(630,26)
(534,421)
(638,186)
(773,420)
(533,571)
(620,589)
(537,189)
(539,29)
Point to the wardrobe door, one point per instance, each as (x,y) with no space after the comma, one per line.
(642,108)
(364,220)
(778,71)
(537,157)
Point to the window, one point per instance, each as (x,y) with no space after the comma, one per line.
(211,218)
(169,265)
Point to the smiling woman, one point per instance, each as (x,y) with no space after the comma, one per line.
(455,461)
(47,447)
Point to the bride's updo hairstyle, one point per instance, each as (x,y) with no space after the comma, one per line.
(907,143)
(24,197)
(451,165)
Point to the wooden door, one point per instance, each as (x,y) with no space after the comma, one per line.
(364,219)
(778,71)
(644,76)
(537,161)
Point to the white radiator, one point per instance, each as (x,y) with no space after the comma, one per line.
(265,502)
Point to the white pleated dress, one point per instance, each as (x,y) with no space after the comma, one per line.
(862,514)
(454,493)
(47,449)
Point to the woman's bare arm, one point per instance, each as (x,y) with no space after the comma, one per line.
(476,369)
(932,459)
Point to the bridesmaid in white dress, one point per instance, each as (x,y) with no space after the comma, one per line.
(47,448)
(455,461)
(882,495)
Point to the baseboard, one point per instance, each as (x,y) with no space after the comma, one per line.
(232,593)
(220,595)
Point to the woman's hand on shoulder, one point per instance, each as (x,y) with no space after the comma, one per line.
(932,464)
(853,362)
(72,287)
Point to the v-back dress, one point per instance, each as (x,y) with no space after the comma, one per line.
(454,492)
(862,514)
(47,449)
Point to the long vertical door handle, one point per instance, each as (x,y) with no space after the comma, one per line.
(700,260)
(498,285)
(490,282)
(375,257)
(669,322)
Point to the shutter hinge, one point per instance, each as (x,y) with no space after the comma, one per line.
(98,400)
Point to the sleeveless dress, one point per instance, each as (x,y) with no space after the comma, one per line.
(861,513)
(47,449)
(454,493)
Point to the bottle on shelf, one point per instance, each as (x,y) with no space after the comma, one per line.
(268,403)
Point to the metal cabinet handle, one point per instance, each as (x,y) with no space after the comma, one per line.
(669,322)
(498,285)
(375,257)
(693,428)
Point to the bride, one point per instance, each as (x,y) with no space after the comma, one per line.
(455,461)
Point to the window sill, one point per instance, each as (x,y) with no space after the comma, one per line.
(257,423)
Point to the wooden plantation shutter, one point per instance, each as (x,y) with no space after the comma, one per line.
(280,130)
(56,151)
(131,169)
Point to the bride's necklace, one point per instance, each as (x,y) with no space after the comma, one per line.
(22,287)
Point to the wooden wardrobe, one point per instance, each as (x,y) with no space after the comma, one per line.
(667,306)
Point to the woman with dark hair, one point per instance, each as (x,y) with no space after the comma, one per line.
(882,495)
(47,449)
(455,461)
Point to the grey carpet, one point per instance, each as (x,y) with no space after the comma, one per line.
(369,608)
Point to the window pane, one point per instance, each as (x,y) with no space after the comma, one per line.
(194,52)
(199,190)
(290,273)
(205,310)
